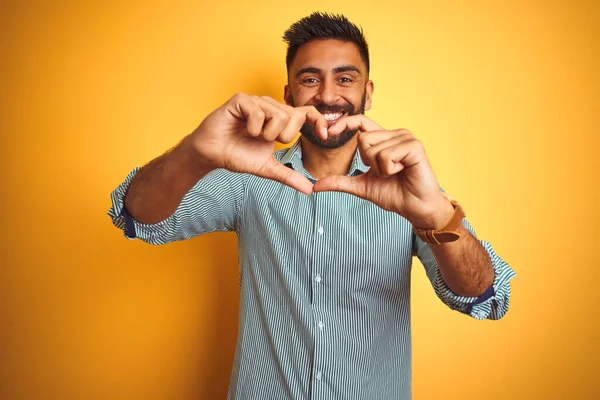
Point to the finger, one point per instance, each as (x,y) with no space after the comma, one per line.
(371,138)
(287,176)
(392,156)
(297,117)
(317,119)
(366,140)
(243,107)
(375,155)
(369,154)
(276,119)
(353,122)
(355,185)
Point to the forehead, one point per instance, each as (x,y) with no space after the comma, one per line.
(327,54)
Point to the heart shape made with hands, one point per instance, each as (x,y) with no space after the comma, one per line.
(240,135)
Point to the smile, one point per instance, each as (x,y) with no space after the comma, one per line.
(332,117)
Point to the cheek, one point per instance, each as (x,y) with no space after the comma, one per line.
(356,97)
(355,101)
(303,96)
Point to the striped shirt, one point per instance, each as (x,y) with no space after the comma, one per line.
(325,283)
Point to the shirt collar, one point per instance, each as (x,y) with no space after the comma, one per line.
(293,158)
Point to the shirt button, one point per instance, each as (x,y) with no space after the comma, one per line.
(319,376)
(320,230)
(321,325)
(318,278)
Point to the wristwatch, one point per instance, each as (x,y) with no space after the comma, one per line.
(449,233)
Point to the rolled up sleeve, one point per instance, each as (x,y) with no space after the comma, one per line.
(492,304)
(213,204)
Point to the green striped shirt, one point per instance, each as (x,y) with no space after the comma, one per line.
(325,283)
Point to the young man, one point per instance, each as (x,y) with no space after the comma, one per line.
(327,229)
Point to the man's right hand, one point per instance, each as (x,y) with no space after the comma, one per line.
(240,137)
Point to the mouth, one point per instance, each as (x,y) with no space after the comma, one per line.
(332,117)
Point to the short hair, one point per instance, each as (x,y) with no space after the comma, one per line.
(319,26)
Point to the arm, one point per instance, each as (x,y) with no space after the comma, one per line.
(157,189)
(492,302)
(464,264)
(401,180)
(197,187)
(214,203)
(238,136)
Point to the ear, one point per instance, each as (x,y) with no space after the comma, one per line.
(368,94)
(287,96)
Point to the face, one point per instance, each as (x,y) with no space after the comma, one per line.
(331,76)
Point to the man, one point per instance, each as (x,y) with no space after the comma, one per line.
(326,229)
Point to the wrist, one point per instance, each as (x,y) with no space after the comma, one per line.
(194,159)
(437,218)
(449,232)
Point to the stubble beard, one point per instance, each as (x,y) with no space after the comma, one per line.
(332,142)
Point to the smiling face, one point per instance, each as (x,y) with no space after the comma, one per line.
(330,75)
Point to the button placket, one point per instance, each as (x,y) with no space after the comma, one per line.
(319,292)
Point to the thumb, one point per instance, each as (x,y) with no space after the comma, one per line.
(287,176)
(353,185)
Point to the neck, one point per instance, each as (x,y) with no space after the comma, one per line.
(321,162)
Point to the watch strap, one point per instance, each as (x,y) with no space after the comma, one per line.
(450,231)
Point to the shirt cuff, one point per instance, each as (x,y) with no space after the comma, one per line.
(493,303)
(129,224)
(132,229)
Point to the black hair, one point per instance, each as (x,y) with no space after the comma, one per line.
(324,26)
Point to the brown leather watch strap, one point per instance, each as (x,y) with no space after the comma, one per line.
(449,233)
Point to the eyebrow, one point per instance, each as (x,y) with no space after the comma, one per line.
(336,70)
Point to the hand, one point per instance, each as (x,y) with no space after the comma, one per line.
(240,137)
(400,179)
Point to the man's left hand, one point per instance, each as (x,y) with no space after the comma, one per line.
(400,179)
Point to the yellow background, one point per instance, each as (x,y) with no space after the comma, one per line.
(504,95)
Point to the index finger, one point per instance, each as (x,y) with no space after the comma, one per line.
(317,119)
(298,116)
(354,122)
(294,179)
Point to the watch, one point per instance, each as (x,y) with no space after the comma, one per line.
(449,233)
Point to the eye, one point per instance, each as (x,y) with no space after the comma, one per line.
(310,81)
(345,79)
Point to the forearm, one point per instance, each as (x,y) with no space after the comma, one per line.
(159,187)
(465,265)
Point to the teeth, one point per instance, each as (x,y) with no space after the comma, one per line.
(332,117)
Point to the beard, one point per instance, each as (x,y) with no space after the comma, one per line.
(333,142)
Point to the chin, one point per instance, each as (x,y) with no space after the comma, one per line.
(334,142)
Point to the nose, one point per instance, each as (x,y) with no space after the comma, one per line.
(327,92)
